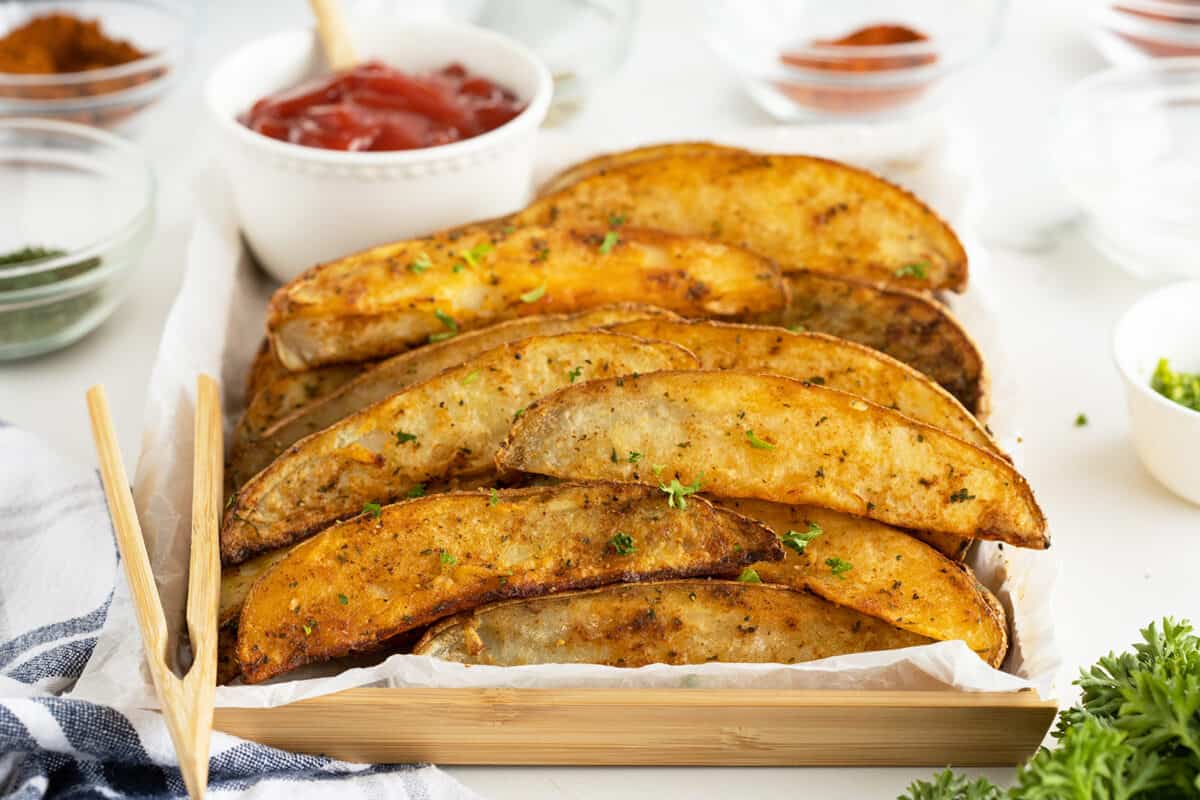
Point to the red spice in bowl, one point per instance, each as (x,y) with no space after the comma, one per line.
(852,98)
(374,107)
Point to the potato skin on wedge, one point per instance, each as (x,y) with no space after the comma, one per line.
(666,622)
(908,326)
(800,212)
(600,164)
(385,300)
(249,456)
(448,426)
(881,572)
(366,580)
(756,435)
(823,360)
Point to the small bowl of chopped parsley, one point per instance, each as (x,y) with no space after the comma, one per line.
(1157,349)
(78,209)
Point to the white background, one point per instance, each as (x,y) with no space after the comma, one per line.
(1129,549)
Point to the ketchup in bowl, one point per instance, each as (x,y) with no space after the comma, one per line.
(376,107)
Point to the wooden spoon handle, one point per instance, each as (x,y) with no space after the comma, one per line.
(331,28)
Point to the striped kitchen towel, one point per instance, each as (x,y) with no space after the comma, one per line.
(57,574)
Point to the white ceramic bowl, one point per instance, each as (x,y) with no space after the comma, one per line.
(1166,435)
(299,206)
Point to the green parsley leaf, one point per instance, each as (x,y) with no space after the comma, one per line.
(799,541)
(616,220)
(447,558)
(374,509)
(1081,420)
(837,566)
(610,241)
(917,269)
(493,497)
(634,456)
(796,328)
(402,437)
(676,492)
(961,496)
(543,254)
(749,576)
(757,443)
(533,295)
(450,324)
(574,373)
(658,468)
(416,491)
(343,599)
(458,267)
(420,264)
(520,412)
(308,629)
(623,544)
(477,252)
(471,377)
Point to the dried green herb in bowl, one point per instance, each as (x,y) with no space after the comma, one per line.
(35,319)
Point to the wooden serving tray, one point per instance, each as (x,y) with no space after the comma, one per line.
(736,727)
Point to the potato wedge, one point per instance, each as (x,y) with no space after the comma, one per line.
(756,435)
(908,326)
(263,369)
(667,622)
(823,360)
(952,547)
(622,158)
(366,580)
(372,304)
(448,426)
(881,572)
(250,455)
(798,211)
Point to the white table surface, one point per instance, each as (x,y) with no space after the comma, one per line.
(1128,548)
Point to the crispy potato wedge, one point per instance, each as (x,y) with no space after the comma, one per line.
(882,572)
(622,158)
(263,369)
(450,425)
(798,211)
(952,547)
(252,454)
(908,326)
(667,622)
(756,435)
(372,304)
(823,360)
(237,579)
(366,580)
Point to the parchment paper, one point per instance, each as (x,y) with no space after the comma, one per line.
(216,324)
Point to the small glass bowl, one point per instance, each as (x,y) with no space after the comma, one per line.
(786,54)
(1126,146)
(112,96)
(1135,31)
(87,195)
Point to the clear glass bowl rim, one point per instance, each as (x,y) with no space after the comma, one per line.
(96,249)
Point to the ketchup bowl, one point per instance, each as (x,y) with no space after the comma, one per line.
(300,201)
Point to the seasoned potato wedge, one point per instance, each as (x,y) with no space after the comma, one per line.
(879,571)
(385,300)
(622,158)
(366,580)
(667,622)
(250,455)
(798,211)
(823,360)
(263,369)
(756,435)
(952,547)
(908,326)
(450,425)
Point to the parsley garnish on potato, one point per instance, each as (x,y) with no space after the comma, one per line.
(374,509)
(749,576)
(799,541)
(757,443)
(450,324)
(838,567)
(676,492)
(610,241)
(917,269)
(623,544)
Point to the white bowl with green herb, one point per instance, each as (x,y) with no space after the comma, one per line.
(77,210)
(1157,350)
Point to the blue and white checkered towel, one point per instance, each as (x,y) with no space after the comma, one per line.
(57,574)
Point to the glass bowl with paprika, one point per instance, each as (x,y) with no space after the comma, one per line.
(97,62)
(808,60)
(78,209)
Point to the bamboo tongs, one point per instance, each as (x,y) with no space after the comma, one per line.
(187,702)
